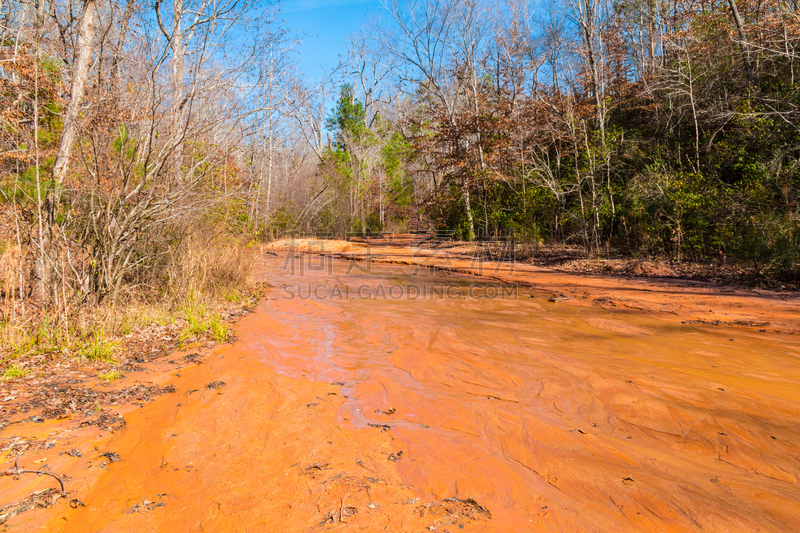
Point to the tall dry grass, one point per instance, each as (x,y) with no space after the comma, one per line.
(189,281)
(209,266)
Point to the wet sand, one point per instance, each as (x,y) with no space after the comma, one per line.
(605,409)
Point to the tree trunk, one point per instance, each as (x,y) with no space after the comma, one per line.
(79,77)
(271,106)
(178,53)
(737,19)
(468,209)
(123,30)
(48,250)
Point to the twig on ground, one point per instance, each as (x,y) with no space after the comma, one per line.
(16,471)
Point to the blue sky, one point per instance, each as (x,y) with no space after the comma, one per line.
(327,25)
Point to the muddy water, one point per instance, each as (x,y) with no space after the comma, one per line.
(559,416)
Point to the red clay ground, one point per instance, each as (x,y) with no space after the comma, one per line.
(579,403)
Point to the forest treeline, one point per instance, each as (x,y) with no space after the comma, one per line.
(143,143)
(665,129)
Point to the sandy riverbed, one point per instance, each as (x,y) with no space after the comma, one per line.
(570,403)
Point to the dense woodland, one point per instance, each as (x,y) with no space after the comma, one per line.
(143,144)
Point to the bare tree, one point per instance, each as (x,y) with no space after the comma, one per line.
(439,45)
(306,100)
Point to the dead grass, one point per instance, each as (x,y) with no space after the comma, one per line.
(10,259)
(210,267)
(204,287)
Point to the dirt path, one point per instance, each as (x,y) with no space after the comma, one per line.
(353,402)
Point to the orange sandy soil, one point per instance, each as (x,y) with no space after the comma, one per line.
(573,403)
(312,245)
(670,299)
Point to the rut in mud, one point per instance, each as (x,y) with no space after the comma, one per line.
(481,409)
